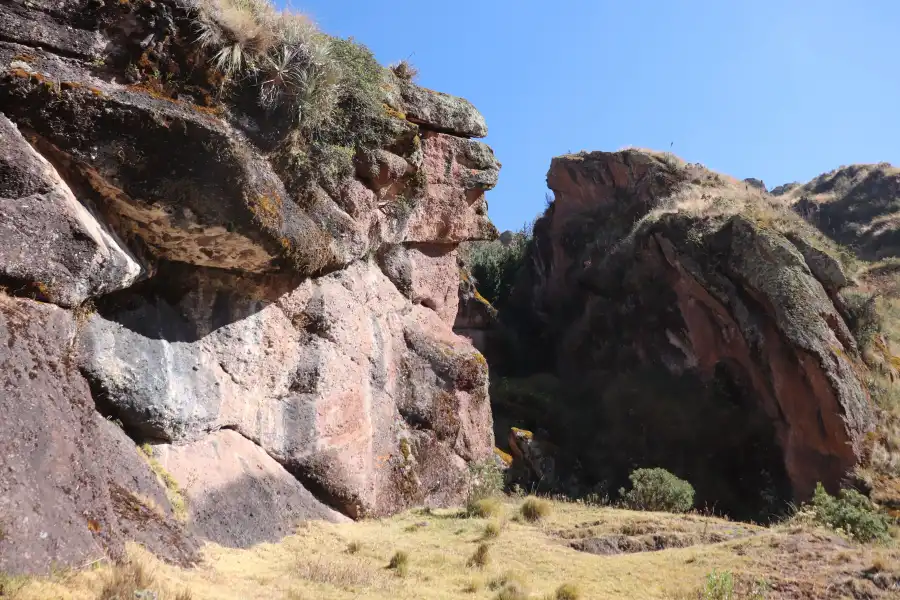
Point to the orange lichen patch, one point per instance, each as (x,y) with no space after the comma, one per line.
(394,112)
(151,89)
(33,77)
(505,457)
(267,210)
(24,57)
(155,90)
(523,433)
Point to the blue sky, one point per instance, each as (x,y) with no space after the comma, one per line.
(778,90)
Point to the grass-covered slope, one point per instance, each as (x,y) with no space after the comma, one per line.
(589,552)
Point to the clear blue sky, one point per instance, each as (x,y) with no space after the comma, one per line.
(778,90)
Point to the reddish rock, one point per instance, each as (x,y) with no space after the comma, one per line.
(458,173)
(73,487)
(697,312)
(263,306)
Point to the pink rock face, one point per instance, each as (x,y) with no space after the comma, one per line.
(458,172)
(72,485)
(388,390)
(242,319)
(236,494)
(340,379)
(422,272)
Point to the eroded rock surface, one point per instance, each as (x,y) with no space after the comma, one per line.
(236,494)
(72,485)
(276,330)
(41,217)
(340,378)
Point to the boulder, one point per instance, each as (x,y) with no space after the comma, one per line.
(441,112)
(40,216)
(236,494)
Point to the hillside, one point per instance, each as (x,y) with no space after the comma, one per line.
(856,206)
(260,339)
(596,553)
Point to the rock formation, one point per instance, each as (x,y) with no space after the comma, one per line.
(855,206)
(694,323)
(268,318)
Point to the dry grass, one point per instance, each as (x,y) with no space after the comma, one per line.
(492,531)
(315,564)
(282,52)
(535,509)
(173,490)
(482,556)
(567,591)
(485,508)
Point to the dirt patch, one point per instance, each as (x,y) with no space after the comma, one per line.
(649,535)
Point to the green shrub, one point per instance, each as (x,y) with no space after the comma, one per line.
(852,513)
(484,508)
(534,509)
(482,556)
(657,489)
(862,316)
(719,586)
(485,481)
(494,266)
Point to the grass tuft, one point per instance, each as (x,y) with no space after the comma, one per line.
(173,490)
(354,547)
(481,558)
(567,591)
(399,563)
(127,580)
(492,531)
(534,509)
(405,70)
(485,508)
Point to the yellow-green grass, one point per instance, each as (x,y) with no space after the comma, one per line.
(314,563)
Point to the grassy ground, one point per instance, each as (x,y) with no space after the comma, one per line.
(349,561)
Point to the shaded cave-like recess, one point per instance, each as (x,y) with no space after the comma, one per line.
(712,432)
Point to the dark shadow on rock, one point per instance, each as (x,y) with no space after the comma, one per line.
(254,510)
(166,307)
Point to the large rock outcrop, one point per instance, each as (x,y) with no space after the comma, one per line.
(268,318)
(694,323)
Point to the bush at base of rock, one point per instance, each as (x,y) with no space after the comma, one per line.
(851,513)
(485,481)
(534,509)
(658,490)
